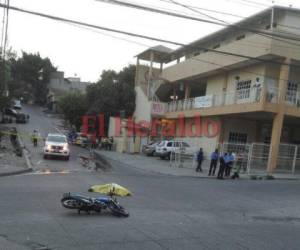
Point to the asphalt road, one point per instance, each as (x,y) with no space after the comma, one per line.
(165,212)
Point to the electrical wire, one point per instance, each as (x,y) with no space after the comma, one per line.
(3,28)
(209,10)
(234,26)
(140,36)
(195,10)
(92,27)
(108,35)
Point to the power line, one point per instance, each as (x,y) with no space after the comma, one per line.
(3,29)
(132,5)
(82,25)
(138,35)
(195,10)
(108,35)
(234,26)
(209,10)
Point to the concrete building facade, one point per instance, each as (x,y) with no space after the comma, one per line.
(245,76)
(59,86)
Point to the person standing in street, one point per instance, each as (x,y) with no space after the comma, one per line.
(35,136)
(199,160)
(213,162)
(229,161)
(222,167)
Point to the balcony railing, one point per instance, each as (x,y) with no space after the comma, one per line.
(292,98)
(253,95)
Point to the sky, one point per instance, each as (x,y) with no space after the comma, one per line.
(86,53)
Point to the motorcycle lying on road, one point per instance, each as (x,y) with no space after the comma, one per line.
(88,204)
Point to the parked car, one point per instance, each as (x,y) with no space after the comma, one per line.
(81,140)
(17,104)
(10,112)
(149,149)
(56,145)
(164,148)
(22,118)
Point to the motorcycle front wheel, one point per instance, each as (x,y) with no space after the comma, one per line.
(117,209)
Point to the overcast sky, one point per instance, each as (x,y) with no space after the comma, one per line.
(86,53)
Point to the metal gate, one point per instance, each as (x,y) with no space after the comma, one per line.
(251,158)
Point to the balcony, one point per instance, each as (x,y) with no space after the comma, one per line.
(243,96)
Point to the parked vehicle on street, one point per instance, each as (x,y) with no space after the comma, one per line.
(22,118)
(149,149)
(56,145)
(88,204)
(81,140)
(164,148)
(17,104)
(10,112)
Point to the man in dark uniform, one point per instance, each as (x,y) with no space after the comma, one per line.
(213,162)
(222,167)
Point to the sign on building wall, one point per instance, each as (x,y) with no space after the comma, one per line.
(158,108)
(204,101)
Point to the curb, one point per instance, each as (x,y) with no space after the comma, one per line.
(26,155)
(24,171)
(27,160)
(190,176)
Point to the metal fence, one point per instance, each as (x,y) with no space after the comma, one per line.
(252,158)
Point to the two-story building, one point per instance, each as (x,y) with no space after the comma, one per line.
(245,77)
(59,86)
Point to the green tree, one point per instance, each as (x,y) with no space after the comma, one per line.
(31,74)
(113,94)
(5,77)
(73,106)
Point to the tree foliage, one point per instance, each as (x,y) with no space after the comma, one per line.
(73,106)
(113,94)
(5,76)
(30,75)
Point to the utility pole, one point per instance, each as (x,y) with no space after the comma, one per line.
(5,38)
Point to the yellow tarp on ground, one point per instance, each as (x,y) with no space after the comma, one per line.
(111,189)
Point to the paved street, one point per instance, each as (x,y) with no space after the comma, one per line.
(166,212)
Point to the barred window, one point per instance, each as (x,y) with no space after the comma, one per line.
(243,89)
(291,94)
(235,137)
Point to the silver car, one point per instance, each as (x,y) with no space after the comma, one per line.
(149,149)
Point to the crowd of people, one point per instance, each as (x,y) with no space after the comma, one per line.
(227,162)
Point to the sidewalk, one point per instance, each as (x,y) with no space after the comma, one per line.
(10,163)
(156,165)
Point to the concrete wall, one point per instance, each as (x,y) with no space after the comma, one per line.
(249,127)
(291,50)
(211,61)
(208,143)
(143,106)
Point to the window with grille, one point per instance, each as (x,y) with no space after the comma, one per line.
(237,142)
(235,137)
(243,89)
(291,93)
